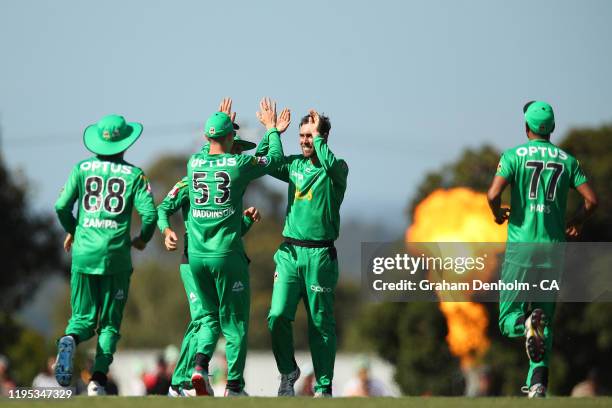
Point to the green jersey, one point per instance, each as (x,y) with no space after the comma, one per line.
(178,198)
(541,175)
(315,193)
(217,183)
(106,192)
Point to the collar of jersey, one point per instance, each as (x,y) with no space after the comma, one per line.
(539,140)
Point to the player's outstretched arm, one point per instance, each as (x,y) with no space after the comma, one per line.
(588,207)
(336,168)
(65,204)
(494,197)
(143,201)
(274,156)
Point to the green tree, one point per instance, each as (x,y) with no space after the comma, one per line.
(30,250)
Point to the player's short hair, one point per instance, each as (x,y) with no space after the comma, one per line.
(324,124)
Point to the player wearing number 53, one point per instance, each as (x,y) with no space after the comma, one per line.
(217,181)
(106,188)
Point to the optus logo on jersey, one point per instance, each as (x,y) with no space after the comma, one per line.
(225,161)
(544,151)
(105,166)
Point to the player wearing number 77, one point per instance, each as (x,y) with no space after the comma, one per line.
(540,175)
(107,188)
(217,181)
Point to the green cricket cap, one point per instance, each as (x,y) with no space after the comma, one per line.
(246,145)
(540,117)
(111,135)
(218,125)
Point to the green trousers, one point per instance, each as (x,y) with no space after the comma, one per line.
(513,311)
(185,364)
(97,303)
(222,285)
(311,275)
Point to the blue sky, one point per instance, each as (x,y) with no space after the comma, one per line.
(407,84)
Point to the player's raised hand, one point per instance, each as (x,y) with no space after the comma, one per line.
(284,119)
(138,243)
(267,113)
(226,107)
(253,214)
(68,242)
(315,119)
(502,215)
(170,239)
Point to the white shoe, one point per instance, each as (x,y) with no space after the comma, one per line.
(173,393)
(321,394)
(95,389)
(535,391)
(192,392)
(287,382)
(230,393)
(63,363)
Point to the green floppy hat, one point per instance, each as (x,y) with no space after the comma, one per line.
(540,117)
(246,145)
(111,135)
(218,125)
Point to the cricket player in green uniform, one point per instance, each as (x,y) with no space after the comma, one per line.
(178,198)
(217,181)
(306,263)
(540,175)
(107,188)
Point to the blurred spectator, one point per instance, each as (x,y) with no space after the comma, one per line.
(46,378)
(478,381)
(589,387)
(363,385)
(305,387)
(6,382)
(171,355)
(158,382)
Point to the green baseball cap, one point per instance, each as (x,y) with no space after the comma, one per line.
(218,125)
(246,145)
(111,135)
(540,117)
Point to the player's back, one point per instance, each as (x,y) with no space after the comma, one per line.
(541,175)
(106,191)
(216,187)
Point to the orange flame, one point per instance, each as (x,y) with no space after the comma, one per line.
(459,215)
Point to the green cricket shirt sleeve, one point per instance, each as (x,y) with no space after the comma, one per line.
(577,177)
(247,223)
(257,166)
(174,200)
(143,201)
(505,167)
(66,200)
(336,168)
(282,171)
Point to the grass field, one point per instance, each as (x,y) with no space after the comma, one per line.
(420,402)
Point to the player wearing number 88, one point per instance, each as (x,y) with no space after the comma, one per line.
(105,188)
(540,175)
